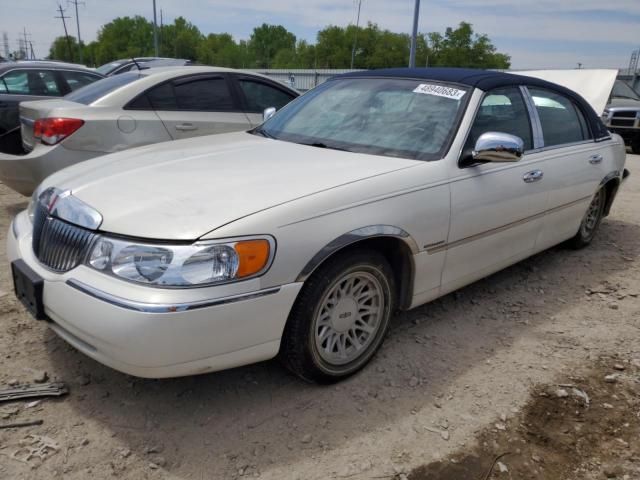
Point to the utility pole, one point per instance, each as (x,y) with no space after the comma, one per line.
(26,43)
(33,55)
(66,34)
(155,29)
(161,37)
(414,36)
(355,36)
(5,42)
(76,2)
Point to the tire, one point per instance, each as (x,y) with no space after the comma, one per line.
(635,145)
(591,221)
(326,321)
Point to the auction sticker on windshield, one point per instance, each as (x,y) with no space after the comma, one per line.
(439,91)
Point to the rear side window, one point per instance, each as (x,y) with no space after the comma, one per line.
(31,82)
(161,97)
(206,95)
(502,110)
(260,96)
(562,121)
(77,80)
(99,89)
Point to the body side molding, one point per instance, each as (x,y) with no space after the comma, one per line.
(371,231)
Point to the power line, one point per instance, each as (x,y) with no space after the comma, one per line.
(76,2)
(66,34)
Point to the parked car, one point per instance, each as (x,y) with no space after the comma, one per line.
(622,114)
(133,109)
(128,64)
(375,192)
(35,80)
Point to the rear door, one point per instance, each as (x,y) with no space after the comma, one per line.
(258,95)
(574,163)
(198,105)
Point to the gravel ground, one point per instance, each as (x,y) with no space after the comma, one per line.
(448,372)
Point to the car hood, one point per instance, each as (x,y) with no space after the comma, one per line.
(184,189)
(594,85)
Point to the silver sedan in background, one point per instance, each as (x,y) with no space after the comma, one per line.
(134,109)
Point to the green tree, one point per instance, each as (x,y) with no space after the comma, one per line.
(219,49)
(124,37)
(267,40)
(464,48)
(60,49)
(180,40)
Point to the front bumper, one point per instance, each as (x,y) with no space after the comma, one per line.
(156,333)
(23,173)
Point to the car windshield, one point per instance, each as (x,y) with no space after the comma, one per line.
(99,89)
(108,67)
(413,119)
(622,90)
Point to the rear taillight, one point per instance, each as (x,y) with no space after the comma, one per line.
(53,130)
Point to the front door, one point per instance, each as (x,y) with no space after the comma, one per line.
(497,209)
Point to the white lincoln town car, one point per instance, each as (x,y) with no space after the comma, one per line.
(375,192)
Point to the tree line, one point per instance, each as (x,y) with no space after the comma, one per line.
(273,46)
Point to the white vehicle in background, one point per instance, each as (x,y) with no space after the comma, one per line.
(134,109)
(375,192)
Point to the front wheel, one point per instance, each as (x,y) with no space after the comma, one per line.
(590,221)
(340,317)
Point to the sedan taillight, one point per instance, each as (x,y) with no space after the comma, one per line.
(53,130)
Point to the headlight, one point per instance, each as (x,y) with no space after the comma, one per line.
(202,263)
(31,208)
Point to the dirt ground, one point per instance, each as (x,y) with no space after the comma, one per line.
(479,384)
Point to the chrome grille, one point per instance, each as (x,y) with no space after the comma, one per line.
(59,245)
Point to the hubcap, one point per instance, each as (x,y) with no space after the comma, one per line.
(349,317)
(590,220)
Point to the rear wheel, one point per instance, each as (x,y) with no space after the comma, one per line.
(590,221)
(635,145)
(340,317)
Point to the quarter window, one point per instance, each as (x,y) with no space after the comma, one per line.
(260,96)
(502,110)
(561,120)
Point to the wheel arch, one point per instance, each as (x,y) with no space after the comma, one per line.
(394,243)
(610,183)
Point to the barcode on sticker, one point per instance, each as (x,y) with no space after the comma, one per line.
(439,91)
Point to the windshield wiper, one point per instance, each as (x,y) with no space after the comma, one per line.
(324,145)
(263,132)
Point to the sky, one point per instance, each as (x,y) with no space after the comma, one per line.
(536,33)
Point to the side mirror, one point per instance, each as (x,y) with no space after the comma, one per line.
(268,113)
(498,147)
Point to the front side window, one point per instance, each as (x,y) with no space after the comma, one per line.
(404,118)
(502,110)
(561,120)
(260,96)
(31,82)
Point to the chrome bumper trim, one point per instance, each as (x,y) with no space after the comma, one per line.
(165,307)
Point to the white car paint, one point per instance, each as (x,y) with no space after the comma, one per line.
(461,224)
(110,127)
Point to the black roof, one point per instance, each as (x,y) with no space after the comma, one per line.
(484,80)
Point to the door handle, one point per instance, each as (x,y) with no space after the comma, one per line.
(186,126)
(533,176)
(595,159)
